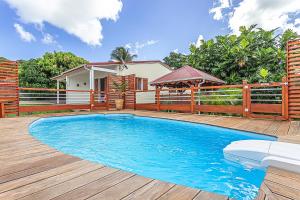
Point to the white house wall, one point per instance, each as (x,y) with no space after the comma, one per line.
(82,80)
(151,71)
(78,97)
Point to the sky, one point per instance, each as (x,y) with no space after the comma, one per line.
(151,29)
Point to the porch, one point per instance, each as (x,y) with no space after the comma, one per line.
(85,78)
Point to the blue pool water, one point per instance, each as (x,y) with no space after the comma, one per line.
(179,152)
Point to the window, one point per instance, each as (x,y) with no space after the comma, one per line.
(139,84)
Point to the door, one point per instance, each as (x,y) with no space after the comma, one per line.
(100,90)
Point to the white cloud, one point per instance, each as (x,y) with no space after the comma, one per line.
(77,17)
(297,22)
(176,51)
(217,10)
(137,46)
(128,46)
(199,40)
(25,35)
(267,14)
(48,39)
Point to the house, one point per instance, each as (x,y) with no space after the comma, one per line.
(186,77)
(100,76)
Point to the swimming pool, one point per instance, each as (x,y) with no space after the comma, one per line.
(184,153)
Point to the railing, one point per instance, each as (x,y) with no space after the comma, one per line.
(219,99)
(42,99)
(269,101)
(100,97)
(264,100)
(145,100)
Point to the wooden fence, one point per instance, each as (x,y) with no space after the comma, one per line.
(42,99)
(265,100)
(293,74)
(9,103)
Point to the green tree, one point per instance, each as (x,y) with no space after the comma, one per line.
(121,54)
(234,58)
(38,72)
(176,60)
(3,59)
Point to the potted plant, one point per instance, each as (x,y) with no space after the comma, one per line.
(120,88)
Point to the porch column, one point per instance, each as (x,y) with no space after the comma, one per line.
(67,87)
(92,85)
(57,92)
(92,79)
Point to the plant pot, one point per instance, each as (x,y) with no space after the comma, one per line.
(119,104)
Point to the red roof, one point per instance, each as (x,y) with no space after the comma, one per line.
(186,73)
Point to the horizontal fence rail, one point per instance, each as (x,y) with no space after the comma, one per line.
(225,99)
(41,99)
(263,100)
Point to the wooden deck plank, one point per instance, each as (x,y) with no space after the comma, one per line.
(179,192)
(293,183)
(151,191)
(69,185)
(294,128)
(283,128)
(256,125)
(284,173)
(22,154)
(122,189)
(46,183)
(203,195)
(26,157)
(227,122)
(18,171)
(95,187)
(283,190)
(43,175)
(273,128)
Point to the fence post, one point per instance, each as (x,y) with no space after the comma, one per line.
(18,101)
(91,99)
(285,96)
(158,99)
(2,111)
(134,100)
(192,100)
(245,99)
(107,99)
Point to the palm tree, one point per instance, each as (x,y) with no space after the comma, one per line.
(123,56)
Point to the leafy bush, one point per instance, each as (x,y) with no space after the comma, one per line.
(228,96)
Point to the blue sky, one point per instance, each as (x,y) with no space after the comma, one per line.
(149,28)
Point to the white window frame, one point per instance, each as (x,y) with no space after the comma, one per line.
(141,84)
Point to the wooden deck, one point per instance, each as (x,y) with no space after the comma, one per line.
(32,170)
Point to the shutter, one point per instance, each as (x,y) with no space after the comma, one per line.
(145,84)
(136,83)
